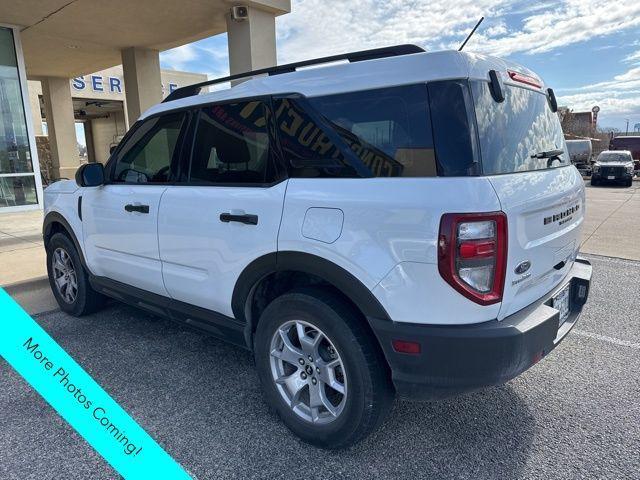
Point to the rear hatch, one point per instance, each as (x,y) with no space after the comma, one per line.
(524,156)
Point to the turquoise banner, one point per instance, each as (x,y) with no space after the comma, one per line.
(79,399)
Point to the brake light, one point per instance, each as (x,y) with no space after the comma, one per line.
(522,78)
(472,254)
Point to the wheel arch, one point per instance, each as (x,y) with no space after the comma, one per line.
(294,266)
(54,223)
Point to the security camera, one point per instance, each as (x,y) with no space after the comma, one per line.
(239,13)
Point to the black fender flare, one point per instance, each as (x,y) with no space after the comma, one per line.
(283,261)
(47,225)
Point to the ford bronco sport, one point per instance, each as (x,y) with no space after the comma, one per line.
(401,223)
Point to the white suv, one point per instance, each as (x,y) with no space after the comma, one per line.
(400,223)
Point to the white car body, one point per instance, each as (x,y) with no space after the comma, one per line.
(383,231)
(194,260)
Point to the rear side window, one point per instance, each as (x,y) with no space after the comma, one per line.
(388,129)
(310,146)
(453,128)
(232,145)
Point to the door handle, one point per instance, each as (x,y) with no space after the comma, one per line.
(137,208)
(245,218)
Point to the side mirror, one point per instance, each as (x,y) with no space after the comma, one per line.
(112,149)
(90,175)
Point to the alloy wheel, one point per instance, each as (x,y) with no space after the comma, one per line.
(64,275)
(308,372)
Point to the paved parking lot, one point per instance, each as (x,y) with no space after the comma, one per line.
(612,221)
(574,415)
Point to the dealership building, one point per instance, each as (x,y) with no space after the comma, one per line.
(100,112)
(50,50)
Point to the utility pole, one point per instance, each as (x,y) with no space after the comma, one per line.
(627,130)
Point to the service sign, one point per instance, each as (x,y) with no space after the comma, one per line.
(107,84)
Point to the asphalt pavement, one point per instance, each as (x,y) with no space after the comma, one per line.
(576,414)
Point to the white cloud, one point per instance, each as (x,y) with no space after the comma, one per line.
(618,96)
(323,27)
(623,82)
(214,58)
(570,22)
(610,103)
(178,58)
(633,57)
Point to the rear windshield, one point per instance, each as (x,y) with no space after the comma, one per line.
(514,134)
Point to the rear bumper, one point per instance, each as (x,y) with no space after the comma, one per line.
(459,359)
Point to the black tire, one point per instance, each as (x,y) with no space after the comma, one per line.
(594,182)
(369,394)
(629,182)
(86,300)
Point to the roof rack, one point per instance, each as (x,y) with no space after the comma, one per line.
(395,51)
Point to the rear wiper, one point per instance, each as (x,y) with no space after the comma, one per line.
(550,154)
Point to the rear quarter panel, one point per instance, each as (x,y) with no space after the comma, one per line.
(388,238)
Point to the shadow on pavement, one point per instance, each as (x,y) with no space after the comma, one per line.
(200,398)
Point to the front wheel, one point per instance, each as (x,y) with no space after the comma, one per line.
(320,369)
(594,182)
(68,279)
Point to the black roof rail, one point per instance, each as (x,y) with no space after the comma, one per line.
(397,50)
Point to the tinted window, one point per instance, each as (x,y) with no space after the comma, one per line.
(388,129)
(146,157)
(512,132)
(232,145)
(309,145)
(453,127)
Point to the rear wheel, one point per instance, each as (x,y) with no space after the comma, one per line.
(68,279)
(320,371)
(629,182)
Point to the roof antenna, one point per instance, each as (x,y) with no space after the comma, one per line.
(472,32)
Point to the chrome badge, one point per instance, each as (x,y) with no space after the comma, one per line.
(522,267)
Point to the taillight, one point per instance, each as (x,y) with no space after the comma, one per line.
(472,254)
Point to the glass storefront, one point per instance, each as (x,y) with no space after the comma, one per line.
(17,178)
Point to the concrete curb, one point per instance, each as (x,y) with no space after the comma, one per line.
(27,285)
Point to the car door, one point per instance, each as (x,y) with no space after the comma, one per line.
(120,218)
(226,212)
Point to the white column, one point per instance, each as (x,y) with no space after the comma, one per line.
(142,81)
(252,42)
(61,126)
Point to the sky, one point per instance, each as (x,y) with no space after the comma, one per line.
(588,51)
